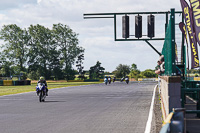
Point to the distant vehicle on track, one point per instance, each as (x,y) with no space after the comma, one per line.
(106,80)
(127,79)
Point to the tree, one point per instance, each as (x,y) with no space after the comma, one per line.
(79,66)
(34,75)
(15,48)
(122,70)
(96,71)
(148,73)
(40,46)
(135,74)
(134,71)
(67,41)
(6,69)
(133,67)
(47,52)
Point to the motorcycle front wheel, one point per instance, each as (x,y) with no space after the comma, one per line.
(41,95)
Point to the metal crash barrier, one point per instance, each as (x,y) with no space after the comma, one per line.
(174,123)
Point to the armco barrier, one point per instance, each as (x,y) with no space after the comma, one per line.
(7,82)
(197,78)
(15,83)
(190,78)
(101,80)
(86,80)
(27,82)
(75,80)
(21,82)
(139,79)
(1,82)
(91,80)
(147,79)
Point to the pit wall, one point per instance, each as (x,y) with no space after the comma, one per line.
(14,83)
(170,92)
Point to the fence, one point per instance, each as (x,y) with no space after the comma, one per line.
(169,47)
(170,83)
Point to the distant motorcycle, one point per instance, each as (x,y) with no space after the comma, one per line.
(106,81)
(127,80)
(114,79)
(41,91)
(109,80)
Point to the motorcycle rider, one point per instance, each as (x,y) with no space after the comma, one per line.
(109,79)
(106,79)
(42,80)
(122,79)
(114,79)
(127,79)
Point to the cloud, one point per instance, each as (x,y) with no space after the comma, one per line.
(95,35)
(9,4)
(38,1)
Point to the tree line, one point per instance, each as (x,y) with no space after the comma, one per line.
(39,51)
(133,72)
(97,72)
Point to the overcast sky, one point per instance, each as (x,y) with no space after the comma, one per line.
(95,35)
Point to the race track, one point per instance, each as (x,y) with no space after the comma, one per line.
(115,108)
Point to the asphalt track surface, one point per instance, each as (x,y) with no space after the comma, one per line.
(115,108)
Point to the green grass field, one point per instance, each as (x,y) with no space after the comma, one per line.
(7,90)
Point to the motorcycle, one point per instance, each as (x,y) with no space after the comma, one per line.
(106,81)
(41,91)
(127,80)
(114,79)
(109,80)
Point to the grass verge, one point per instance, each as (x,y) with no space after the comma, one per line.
(7,90)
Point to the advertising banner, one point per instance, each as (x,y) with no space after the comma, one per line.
(183,29)
(195,7)
(193,44)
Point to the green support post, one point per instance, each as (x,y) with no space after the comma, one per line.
(172,17)
(183,59)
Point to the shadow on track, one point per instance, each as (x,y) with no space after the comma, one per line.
(53,101)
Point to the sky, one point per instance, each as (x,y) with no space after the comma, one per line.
(96,36)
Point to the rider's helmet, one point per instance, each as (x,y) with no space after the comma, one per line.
(105,76)
(41,78)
